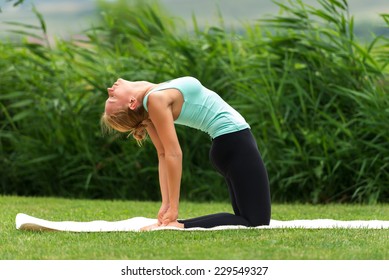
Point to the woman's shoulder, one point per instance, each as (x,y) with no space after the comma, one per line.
(185,79)
(187,84)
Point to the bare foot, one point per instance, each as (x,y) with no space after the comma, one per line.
(155,226)
(175,224)
(150,227)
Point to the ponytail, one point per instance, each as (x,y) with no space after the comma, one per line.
(139,132)
(133,122)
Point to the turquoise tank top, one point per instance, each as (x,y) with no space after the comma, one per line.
(203,109)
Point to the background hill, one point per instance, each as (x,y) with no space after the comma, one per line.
(65,17)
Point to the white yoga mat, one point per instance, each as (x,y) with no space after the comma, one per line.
(26,222)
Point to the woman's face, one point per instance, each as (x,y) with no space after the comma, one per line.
(119,96)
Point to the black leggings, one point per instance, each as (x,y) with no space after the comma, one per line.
(236,157)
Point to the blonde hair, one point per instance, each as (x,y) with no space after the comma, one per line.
(126,120)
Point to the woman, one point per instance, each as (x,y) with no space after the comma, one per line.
(142,108)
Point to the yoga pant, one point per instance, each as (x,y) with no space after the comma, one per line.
(236,157)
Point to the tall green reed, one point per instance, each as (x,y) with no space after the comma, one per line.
(313,130)
(315,97)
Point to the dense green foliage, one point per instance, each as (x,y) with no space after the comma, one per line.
(315,97)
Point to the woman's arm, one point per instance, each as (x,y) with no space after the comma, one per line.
(161,171)
(160,112)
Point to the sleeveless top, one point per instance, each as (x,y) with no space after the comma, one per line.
(202,109)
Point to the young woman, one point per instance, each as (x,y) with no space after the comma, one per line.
(142,108)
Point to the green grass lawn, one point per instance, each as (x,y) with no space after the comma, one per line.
(274,244)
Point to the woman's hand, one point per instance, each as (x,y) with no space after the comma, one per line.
(170,216)
(166,217)
(162,211)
